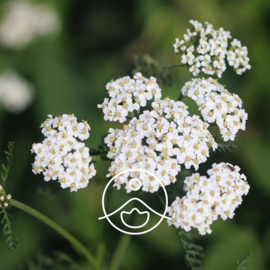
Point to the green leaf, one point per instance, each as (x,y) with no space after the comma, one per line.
(9,154)
(193,252)
(243,260)
(225,146)
(59,261)
(151,67)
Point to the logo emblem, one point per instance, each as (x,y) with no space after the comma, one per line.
(134,185)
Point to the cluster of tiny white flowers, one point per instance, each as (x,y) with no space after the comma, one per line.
(128,95)
(4,199)
(212,50)
(23,21)
(217,105)
(237,57)
(15,92)
(61,156)
(160,141)
(208,198)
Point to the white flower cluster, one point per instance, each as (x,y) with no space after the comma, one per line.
(61,156)
(4,199)
(15,92)
(24,21)
(211,52)
(217,105)
(160,141)
(237,57)
(208,198)
(128,95)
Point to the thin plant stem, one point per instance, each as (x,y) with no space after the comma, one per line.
(180,98)
(170,67)
(102,157)
(120,252)
(77,244)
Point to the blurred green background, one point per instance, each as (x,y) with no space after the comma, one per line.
(69,72)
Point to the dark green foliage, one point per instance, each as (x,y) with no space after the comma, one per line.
(240,264)
(6,170)
(225,146)
(150,67)
(118,67)
(101,149)
(193,252)
(9,228)
(171,67)
(59,261)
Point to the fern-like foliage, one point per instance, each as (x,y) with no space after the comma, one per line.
(193,252)
(8,227)
(171,67)
(151,67)
(240,264)
(59,261)
(6,169)
(225,146)
(9,230)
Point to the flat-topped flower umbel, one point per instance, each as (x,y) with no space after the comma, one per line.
(62,156)
(207,198)
(159,141)
(207,50)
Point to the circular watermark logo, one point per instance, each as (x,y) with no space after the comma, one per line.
(134,185)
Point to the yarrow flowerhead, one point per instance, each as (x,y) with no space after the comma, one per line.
(127,95)
(206,50)
(24,21)
(4,199)
(62,156)
(159,141)
(15,92)
(207,198)
(217,105)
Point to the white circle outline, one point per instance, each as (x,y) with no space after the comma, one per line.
(134,233)
(137,180)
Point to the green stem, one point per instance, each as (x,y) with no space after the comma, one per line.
(100,157)
(180,98)
(91,259)
(120,252)
(170,67)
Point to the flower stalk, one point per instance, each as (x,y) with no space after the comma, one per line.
(120,252)
(102,157)
(77,244)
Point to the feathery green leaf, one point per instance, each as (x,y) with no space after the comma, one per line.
(240,264)
(59,261)
(193,252)
(6,169)
(225,146)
